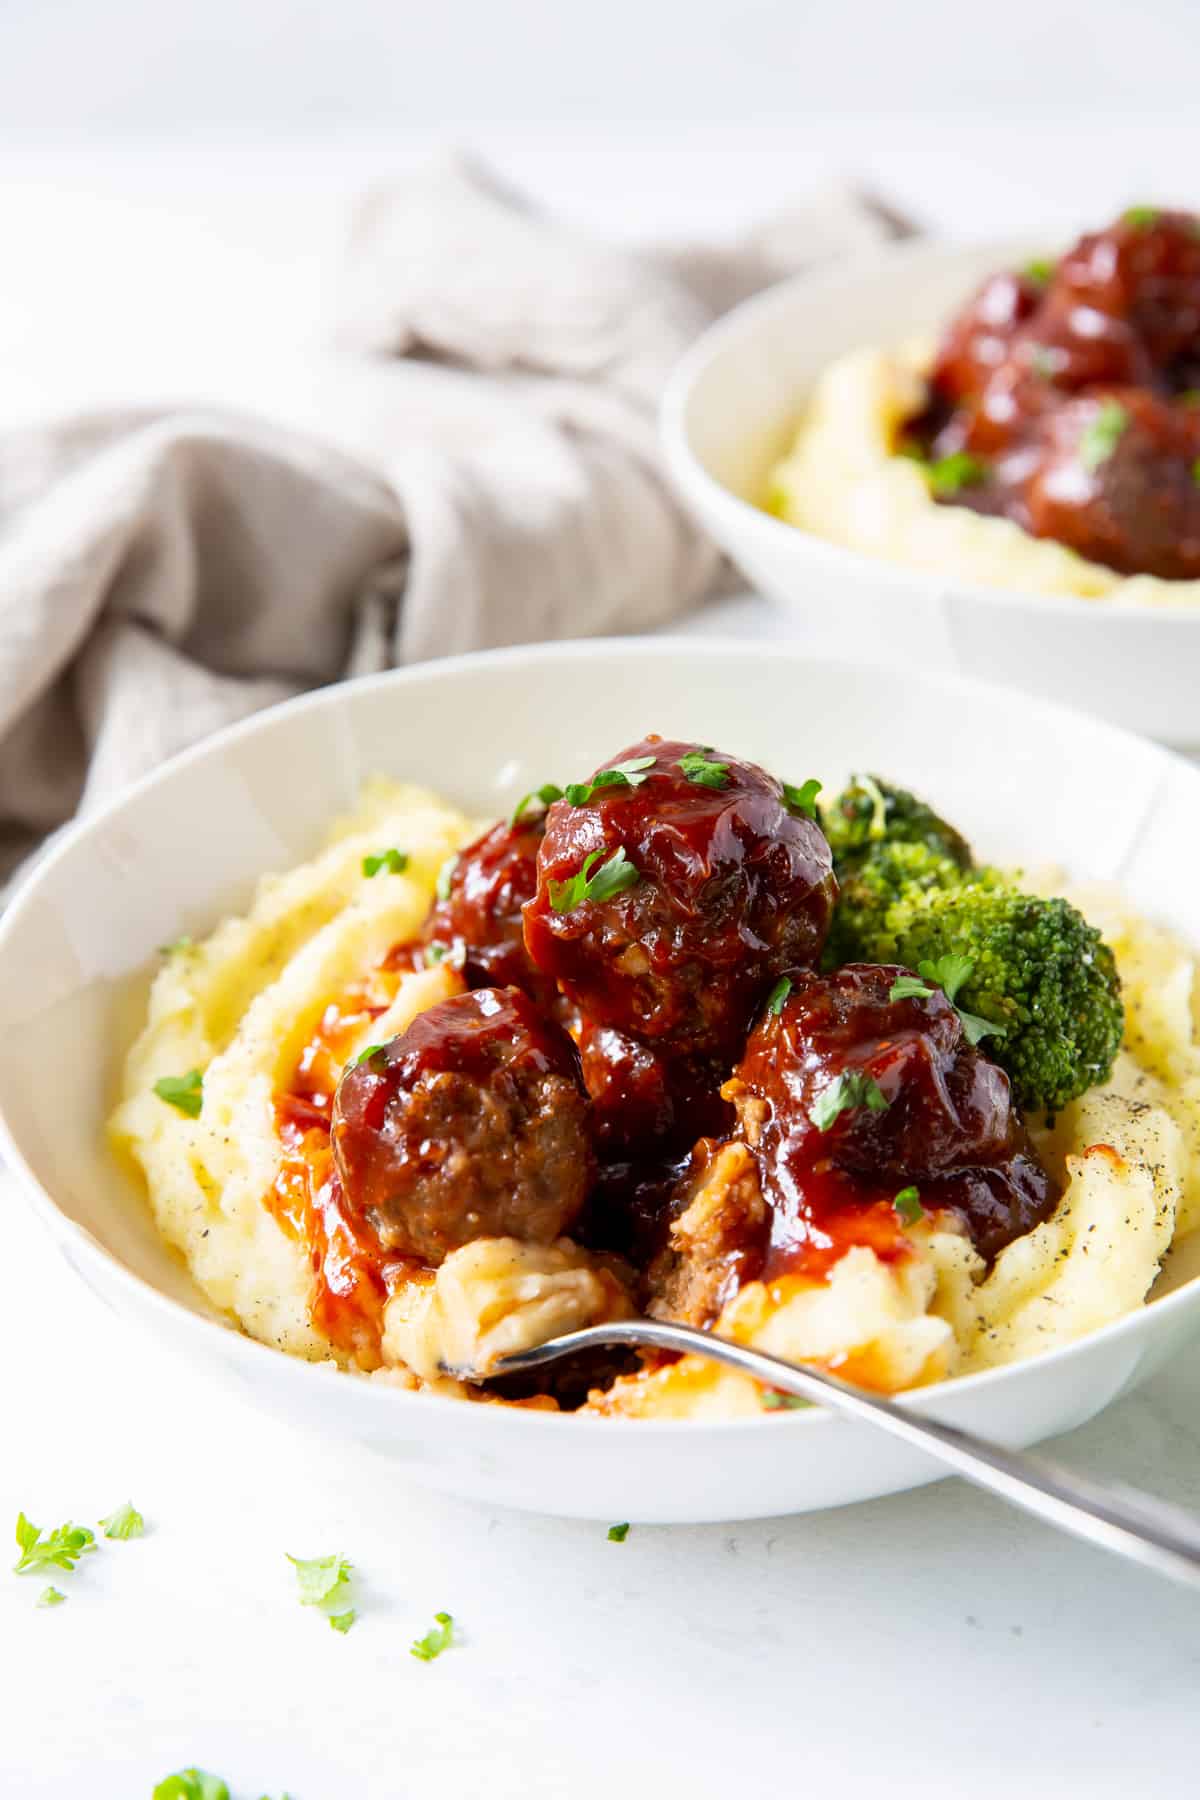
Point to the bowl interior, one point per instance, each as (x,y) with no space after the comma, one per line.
(1029,781)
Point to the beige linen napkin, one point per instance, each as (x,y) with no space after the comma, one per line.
(163,574)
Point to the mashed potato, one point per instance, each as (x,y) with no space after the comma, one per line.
(241,1007)
(841,480)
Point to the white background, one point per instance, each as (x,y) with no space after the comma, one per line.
(174,184)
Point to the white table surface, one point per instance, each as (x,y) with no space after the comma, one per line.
(932,1644)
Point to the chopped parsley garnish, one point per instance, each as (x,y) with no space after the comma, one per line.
(50,1596)
(802,799)
(699,769)
(908,1205)
(394,861)
(907,987)
(950,972)
(845,1092)
(191,1784)
(778,995)
(546,795)
(439,1637)
(324,1581)
(1044,362)
(612,877)
(774,1401)
(183,1091)
(1100,436)
(177,946)
(629,774)
(949,474)
(1040,270)
(1196,471)
(1140,217)
(1190,397)
(445,877)
(618,1533)
(366,1055)
(58,1549)
(125,1522)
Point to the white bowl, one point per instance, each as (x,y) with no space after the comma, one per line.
(731,410)
(186,846)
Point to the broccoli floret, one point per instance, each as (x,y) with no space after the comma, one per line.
(872,885)
(1036,971)
(871,812)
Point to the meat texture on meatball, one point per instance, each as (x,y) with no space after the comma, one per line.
(862,1083)
(477,917)
(472,1123)
(667,904)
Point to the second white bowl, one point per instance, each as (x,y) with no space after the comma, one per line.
(730,412)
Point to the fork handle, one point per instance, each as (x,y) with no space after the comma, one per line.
(1108,1514)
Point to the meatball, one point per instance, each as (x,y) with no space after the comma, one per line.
(1026,374)
(1116,482)
(643,1099)
(472,1123)
(667,905)
(980,337)
(479,919)
(847,1096)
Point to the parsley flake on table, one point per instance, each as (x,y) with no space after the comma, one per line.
(618,1533)
(703,772)
(774,1401)
(547,794)
(802,799)
(612,877)
(908,1205)
(125,1522)
(439,1637)
(630,774)
(186,1092)
(58,1549)
(778,995)
(324,1582)
(394,861)
(950,972)
(950,474)
(845,1092)
(1101,435)
(51,1596)
(191,1784)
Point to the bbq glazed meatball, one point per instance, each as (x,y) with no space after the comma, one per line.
(479,919)
(472,1123)
(846,1095)
(980,336)
(667,905)
(644,1100)
(1116,482)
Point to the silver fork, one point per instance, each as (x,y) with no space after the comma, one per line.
(1109,1514)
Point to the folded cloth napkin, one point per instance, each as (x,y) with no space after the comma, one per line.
(163,574)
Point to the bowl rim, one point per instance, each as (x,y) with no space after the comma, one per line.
(808,289)
(203,1327)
